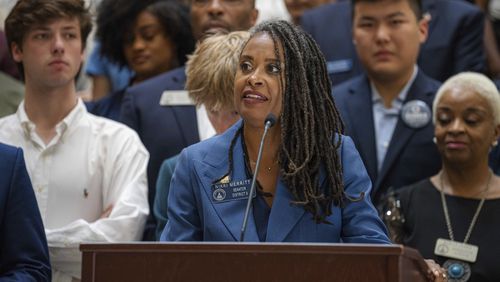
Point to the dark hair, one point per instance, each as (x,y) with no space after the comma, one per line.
(28,13)
(415,5)
(310,122)
(116,17)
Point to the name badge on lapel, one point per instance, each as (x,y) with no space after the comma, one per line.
(339,66)
(232,191)
(176,98)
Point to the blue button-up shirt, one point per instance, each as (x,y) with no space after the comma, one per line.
(385,119)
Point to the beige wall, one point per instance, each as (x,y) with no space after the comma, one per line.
(5,6)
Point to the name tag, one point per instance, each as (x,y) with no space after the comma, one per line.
(456,250)
(236,190)
(339,66)
(176,98)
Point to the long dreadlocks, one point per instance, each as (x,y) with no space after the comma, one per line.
(309,122)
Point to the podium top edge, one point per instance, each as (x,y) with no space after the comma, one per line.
(244,246)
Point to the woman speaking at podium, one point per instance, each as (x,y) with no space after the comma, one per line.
(311,185)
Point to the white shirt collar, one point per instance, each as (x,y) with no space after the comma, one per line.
(71,119)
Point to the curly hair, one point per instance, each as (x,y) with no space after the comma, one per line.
(115,20)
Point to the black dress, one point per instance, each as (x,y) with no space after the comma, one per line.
(425,222)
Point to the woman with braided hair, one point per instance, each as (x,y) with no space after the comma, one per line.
(311,184)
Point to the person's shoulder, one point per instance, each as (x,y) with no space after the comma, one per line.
(106,128)
(421,75)
(339,91)
(169,164)
(96,107)
(8,152)
(171,80)
(420,187)
(426,82)
(8,120)
(10,157)
(108,106)
(9,126)
(8,82)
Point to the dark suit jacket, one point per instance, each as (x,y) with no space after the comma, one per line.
(108,107)
(24,255)
(411,155)
(164,130)
(454,44)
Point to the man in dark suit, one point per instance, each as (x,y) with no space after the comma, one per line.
(387,112)
(24,255)
(163,116)
(454,43)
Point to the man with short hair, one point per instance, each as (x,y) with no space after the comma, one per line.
(164,118)
(88,173)
(454,41)
(387,112)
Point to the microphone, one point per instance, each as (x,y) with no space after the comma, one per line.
(268,123)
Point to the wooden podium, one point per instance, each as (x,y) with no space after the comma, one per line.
(250,262)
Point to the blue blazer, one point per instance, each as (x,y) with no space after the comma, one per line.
(164,130)
(454,43)
(24,255)
(411,155)
(193,216)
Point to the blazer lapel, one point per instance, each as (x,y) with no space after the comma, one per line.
(212,168)
(359,107)
(402,132)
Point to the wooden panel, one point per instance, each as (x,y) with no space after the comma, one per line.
(246,262)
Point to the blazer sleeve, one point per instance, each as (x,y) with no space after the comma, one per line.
(184,222)
(360,220)
(24,254)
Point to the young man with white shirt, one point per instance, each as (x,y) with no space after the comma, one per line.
(88,173)
(387,112)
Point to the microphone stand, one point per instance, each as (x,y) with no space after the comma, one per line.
(268,123)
